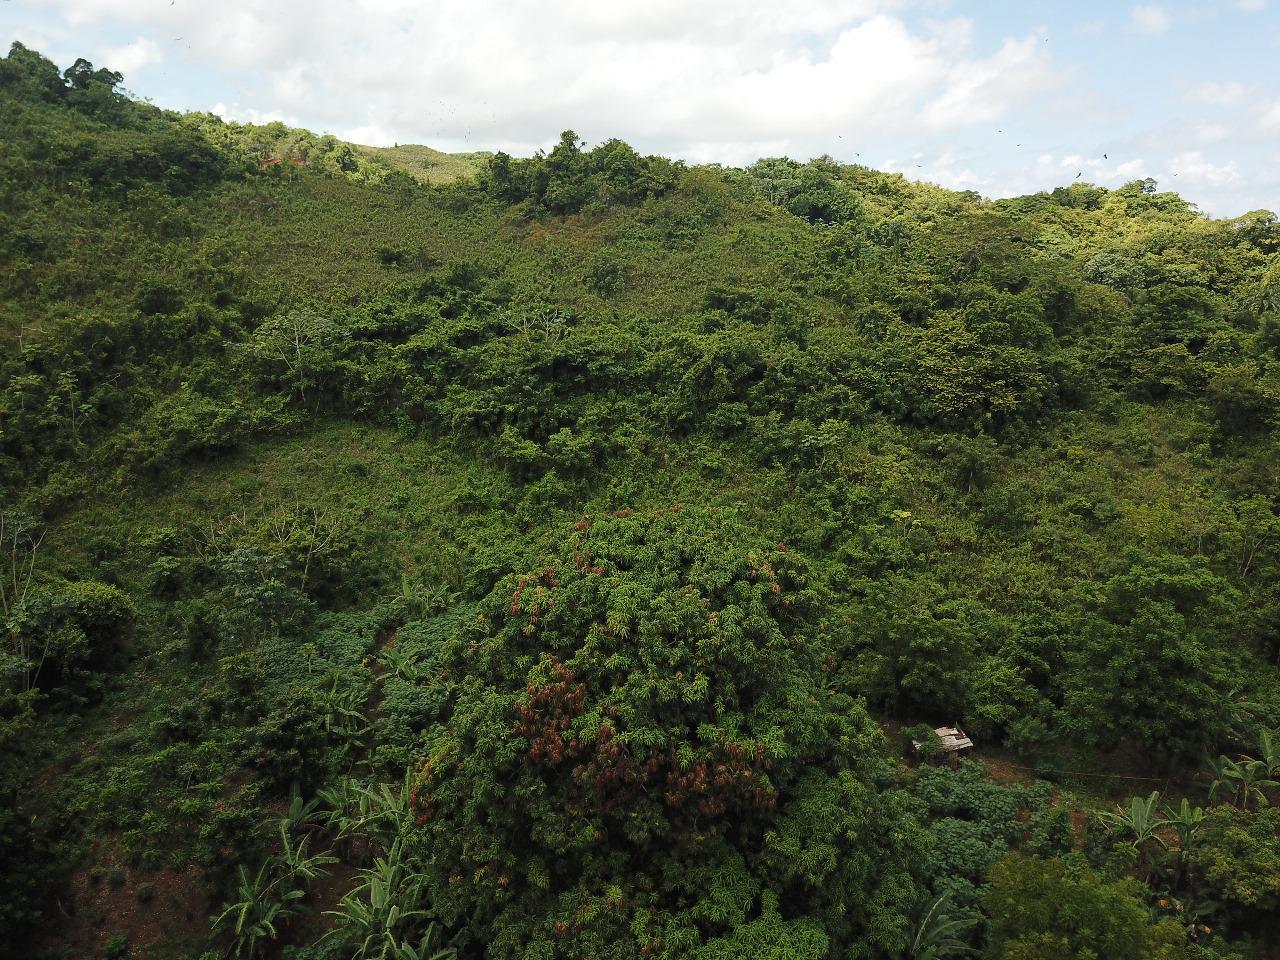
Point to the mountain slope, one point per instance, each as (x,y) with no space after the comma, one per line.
(439,523)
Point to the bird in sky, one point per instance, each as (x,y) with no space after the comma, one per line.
(1080,174)
(1104,156)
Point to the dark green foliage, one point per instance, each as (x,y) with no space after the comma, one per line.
(972,822)
(568,178)
(1060,908)
(1235,862)
(653,699)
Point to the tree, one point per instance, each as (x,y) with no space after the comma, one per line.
(67,625)
(1235,865)
(300,346)
(1059,908)
(643,747)
(20,540)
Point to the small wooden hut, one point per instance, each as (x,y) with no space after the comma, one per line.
(953,742)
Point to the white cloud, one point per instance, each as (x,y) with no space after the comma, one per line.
(1207,132)
(1150,18)
(982,90)
(242,114)
(1217,92)
(717,78)
(1271,116)
(1251,6)
(131,58)
(1193,170)
(945,170)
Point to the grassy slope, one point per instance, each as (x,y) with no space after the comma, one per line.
(426,164)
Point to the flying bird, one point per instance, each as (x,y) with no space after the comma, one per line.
(1079,175)
(1104,157)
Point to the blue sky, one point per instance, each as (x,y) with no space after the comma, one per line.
(1000,97)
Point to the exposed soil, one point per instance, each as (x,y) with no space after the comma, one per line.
(1005,773)
(162,912)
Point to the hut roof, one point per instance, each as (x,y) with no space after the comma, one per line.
(953,739)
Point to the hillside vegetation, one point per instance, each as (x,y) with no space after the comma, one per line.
(409,555)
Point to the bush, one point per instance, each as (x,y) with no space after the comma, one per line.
(1060,908)
(115,947)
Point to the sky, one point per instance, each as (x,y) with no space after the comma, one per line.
(1001,97)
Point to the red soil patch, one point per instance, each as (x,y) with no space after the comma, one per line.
(173,911)
(1005,773)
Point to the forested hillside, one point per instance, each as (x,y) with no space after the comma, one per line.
(412,556)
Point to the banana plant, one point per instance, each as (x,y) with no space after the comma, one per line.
(940,934)
(340,803)
(1269,747)
(342,713)
(297,863)
(1140,820)
(427,947)
(300,813)
(353,808)
(386,808)
(1245,780)
(400,662)
(269,897)
(383,916)
(1185,820)
(261,905)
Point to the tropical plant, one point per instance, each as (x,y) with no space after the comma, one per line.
(384,917)
(295,862)
(1243,779)
(300,813)
(1185,821)
(940,934)
(341,708)
(1269,747)
(400,662)
(1140,822)
(262,907)
(269,897)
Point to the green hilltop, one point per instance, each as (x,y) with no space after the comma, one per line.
(427,165)
(413,555)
